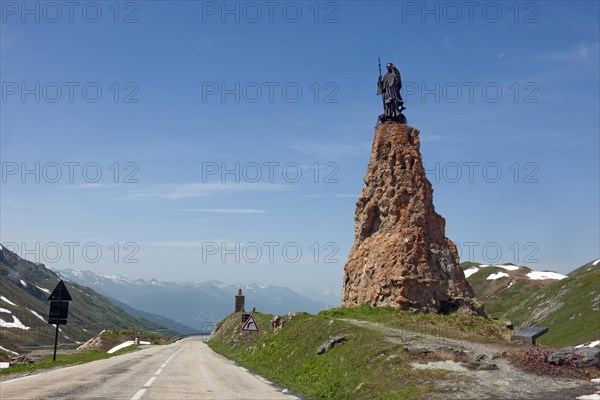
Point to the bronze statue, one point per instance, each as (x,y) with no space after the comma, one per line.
(389,87)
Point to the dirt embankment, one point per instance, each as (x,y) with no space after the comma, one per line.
(487,370)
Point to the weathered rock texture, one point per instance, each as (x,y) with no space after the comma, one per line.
(401,256)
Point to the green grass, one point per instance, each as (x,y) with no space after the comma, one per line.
(576,321)
(365,366)
(63,360)
(455,325)
(569,307)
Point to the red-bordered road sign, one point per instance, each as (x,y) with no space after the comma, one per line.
(250,325)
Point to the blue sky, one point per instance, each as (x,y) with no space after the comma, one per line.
(208,140)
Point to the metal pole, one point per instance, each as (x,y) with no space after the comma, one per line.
(55,343)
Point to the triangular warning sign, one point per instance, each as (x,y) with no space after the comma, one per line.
(250,325)
(60,293)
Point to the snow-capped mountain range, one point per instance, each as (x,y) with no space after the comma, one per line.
(197,305)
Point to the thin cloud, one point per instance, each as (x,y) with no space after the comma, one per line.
(332,150)
(580,52)
(188,244)
(176,191)
(86,186)
(228,210)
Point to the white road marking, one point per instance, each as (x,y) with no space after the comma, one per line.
(139,394)
(150,382)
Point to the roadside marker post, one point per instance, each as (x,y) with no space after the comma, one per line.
(59,309)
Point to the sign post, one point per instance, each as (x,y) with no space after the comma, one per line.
(249,326)
(59,309)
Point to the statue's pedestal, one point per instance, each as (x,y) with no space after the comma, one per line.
(401,257)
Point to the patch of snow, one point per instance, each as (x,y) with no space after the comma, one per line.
(447,365)
(23,283)
(4,365)
(592,344)
(510,284)
(9,351)
(121,346)
(37,315)
(596,262)
(144,342)
(470,271)
(503,266)
(498,275)
(541,275)
(1,248)
(15,324)
(597,380)
(4,310)
(594,396)
(508,267)
(7,300)
(43,289)
(262,286)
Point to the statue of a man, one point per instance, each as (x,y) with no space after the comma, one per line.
(390,87)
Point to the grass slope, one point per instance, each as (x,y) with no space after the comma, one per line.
(365,366)
(569,307)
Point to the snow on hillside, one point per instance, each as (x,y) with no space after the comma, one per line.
(539,275)
(499,275)
(470,271)
(534,275)
(43,289)
(37,315)
(7,301)
(14,324)
(504,266)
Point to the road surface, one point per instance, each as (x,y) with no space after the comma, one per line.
(187,369)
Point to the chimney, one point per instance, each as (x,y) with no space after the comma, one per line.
(239,301)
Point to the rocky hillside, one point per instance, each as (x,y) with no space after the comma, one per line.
(24,289)
(401,256)
(196,305)
(568,304)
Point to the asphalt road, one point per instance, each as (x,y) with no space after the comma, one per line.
(187,369)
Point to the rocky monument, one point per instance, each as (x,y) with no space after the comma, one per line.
(401,256)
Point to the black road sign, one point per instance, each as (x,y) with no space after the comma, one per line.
(59,309)
(60,293)
(59,304)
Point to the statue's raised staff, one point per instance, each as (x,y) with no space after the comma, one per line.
(389,88)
